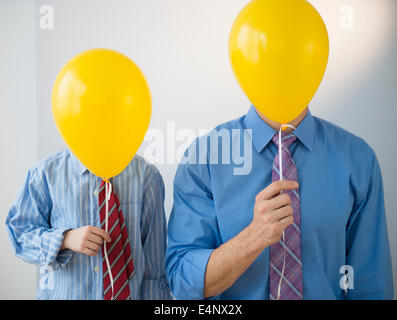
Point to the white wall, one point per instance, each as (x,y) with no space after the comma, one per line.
(17,132)
(181,46)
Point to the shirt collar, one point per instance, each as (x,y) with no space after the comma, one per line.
(262,133)
(77,164)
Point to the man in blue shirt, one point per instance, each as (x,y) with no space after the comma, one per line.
(225,218)
(55,224)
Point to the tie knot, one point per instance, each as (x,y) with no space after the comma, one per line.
(287,138)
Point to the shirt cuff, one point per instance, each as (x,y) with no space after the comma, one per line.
(64,256)
(194,274)
(51,253)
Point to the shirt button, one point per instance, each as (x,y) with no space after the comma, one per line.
(96,269)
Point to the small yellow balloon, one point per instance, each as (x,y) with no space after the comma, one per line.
(279,53)
(102,107)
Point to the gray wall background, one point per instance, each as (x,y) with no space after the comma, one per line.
(18,148)
(181,46)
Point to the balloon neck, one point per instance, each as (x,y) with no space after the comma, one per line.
(285,127)
(106,180)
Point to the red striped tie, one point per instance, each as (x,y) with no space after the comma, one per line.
(118,251)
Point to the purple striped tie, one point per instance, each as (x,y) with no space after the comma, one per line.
(288,251)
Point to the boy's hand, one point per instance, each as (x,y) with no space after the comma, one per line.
(87,240)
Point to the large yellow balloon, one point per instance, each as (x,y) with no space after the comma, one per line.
(102,106)
(279,53)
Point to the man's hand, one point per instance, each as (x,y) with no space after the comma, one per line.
(272,213)
(87,240)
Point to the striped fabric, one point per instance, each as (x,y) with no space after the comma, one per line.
(60,194)
(285,256)
(118,251)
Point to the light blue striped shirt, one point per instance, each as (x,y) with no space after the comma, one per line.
(60,194)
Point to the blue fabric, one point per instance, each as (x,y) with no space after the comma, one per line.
(342,210)
(60,194)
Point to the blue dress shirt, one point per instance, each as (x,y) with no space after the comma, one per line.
(343,224)
(61,194)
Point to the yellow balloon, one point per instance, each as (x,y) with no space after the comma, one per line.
(102,107)
(279,53)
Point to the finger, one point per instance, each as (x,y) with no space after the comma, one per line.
(282,213)
(102,233)
(95,238)
(93,246)
(89,252)
(286,222)
(275,188)
(279,201)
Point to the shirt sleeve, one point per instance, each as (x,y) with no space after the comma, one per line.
(28,225)
(193,231)
(368,251)
(153,231)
